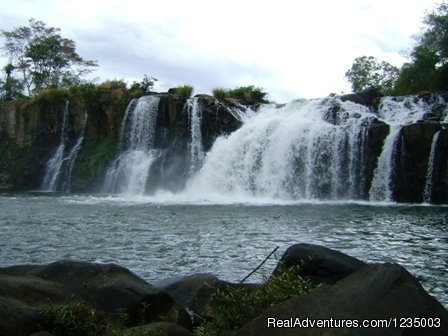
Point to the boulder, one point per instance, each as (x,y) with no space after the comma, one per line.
(317,263)
(386,291)
(370,98)
(27,291)
(184,290)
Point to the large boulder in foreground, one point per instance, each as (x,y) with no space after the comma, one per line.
(318,263)
(385,291)
(28,291)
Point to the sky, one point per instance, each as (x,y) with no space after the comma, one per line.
(290,48)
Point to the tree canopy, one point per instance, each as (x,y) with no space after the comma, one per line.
(367,72)
(426,70)
(39,57)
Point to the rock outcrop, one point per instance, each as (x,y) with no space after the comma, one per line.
(385,292)
(27,292)
(317,263)
(349,290)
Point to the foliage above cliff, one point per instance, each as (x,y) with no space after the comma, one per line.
(427,69)
(41,58)
(249,94)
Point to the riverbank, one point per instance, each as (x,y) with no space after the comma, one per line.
(66,296)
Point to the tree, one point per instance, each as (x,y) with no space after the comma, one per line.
(10,88)
(428,66)
(42,58)
(367,72)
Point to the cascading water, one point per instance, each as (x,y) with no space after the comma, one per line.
(128,173)
(324,149)
(54,165)
(397,112)
(196,149)
(60,166)
(427,193)
(289,153)
(72,155)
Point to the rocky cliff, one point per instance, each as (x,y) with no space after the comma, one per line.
(30,131)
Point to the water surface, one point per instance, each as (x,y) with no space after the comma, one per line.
(159,240)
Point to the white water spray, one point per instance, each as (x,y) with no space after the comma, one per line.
(197,154)
(72,155)
(128,173)
(287,153)
(427,193)
(54,165)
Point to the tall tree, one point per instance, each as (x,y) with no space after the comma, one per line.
(428,66)
(42,58)
(367,72)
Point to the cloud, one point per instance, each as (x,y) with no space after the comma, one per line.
(291,48)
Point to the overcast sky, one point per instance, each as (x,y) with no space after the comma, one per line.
(292,49)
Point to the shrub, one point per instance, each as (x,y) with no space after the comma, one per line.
(220,93)
(185,90)
(250,94)
(235,306)
(52,94)
(74,319)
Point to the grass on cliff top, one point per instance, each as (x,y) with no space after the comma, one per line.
(248,93)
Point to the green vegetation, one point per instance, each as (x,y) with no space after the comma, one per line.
(427,69)
(74,319)
(249,94)
(220,93)
(92,162)
(41,58)
(367,72)
(80,319)
(52,94)
(235,306)
(185,90)
(138,89)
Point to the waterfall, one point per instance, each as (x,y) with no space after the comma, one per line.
(196,149)
(54,165)
(128,173)
(60,166)
(291,152)
(427,194)
(72,155)
(322,149)
(397,112)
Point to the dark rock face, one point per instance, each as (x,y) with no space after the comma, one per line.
(370,98)
(27,291)
(30,131)
(384,291)
(318,263)
(411,161)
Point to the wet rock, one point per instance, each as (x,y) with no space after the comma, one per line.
(384,292)
(27,291)
(184,290)
(318,263)
(370,98)
(411,161)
